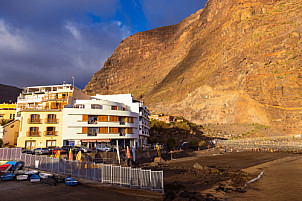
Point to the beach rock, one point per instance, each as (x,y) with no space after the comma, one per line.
(158,159)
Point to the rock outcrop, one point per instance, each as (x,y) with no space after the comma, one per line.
(235,61)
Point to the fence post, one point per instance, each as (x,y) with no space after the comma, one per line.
(86,167)
(94,172)
(64,165)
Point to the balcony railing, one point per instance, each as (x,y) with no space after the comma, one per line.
(33,133)
(92,122)
(50,133)
(34,121)
(122,123)
(51,121)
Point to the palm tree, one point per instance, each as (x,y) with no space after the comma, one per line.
(4,121)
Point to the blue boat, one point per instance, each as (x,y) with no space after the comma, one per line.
(34,178)
(8,176)
(70,181)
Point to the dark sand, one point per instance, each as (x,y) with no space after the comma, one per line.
(222,174)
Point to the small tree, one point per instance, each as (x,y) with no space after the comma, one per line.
(171,143)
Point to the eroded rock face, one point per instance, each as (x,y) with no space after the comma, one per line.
(235,61)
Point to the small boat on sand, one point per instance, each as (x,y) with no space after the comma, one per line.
(22,177)
(45,175)
(70,181)
(5,167)
(31,172)
(7,177)
(34,178)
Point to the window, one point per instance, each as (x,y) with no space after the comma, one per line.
(50,131)
(33,131)
(92,119)
(93,131)
(103,118)
(114,107)
(50,143)
(130,119)
(130,130)
(34,118)
(80,106)
(30,144)
(95,106)
(103,130)
(113,118)
(51,118)
(113,130)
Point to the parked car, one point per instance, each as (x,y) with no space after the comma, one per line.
(56,149)
(103,148)
(27,151)
(85,149)
(41,151)
(67,147)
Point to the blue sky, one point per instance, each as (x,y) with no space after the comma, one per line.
(48,41)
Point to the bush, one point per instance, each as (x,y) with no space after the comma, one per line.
(1,143)
(171,144)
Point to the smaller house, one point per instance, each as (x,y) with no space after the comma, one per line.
(11,133)
(164,118)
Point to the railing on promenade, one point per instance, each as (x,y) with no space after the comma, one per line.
(104,173)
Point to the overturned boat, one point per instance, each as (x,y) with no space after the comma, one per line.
(34,178)
(22,177)
(70,181)
(45,175)
(7,177)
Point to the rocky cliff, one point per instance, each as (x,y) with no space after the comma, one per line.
(235,61)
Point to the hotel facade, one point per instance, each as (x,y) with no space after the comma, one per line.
(106,119)
(58,115)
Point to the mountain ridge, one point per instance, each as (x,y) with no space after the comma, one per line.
(234,61)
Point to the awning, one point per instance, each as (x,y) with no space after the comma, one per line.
(96,140)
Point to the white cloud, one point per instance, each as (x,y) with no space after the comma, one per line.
(10,41)
(73,30)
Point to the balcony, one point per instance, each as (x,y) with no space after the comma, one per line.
(33,134)
(50,133)
(51,121)
(34,121)
(122,123)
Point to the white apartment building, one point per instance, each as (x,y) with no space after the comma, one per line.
(106,119)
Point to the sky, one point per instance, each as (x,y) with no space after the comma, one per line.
(45,42)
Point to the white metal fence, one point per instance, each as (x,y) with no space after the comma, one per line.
(104,173)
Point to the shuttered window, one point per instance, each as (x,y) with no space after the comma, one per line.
(113,118)
(130,130)
(130,119)
(103,118)
(85,118)
(113,130)
(85,130)
(103,129)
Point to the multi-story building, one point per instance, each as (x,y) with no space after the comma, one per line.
(8,111)
(39,110)
(106,119)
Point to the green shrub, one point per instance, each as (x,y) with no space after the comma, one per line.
(171,143)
